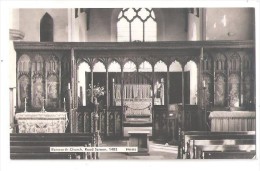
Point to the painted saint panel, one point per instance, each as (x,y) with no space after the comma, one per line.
(24,90)
(38,92)
(234,90)
(52,91)
(208,89)
(247,89)
(220,91)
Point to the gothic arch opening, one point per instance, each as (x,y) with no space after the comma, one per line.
(46,28)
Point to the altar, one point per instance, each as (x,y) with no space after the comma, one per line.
(41,122)
(228,121)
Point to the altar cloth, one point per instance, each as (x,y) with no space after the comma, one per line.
(228,121)
(42,122)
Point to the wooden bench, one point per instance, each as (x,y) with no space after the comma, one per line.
(194,139)
(228,155)
(201,149)
(37,146)
(194,143)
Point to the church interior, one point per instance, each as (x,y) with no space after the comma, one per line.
(178,83)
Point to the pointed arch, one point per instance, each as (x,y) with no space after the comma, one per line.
(46,28)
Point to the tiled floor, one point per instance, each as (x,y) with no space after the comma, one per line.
(156,151)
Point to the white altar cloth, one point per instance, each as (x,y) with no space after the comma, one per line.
(228,121)
(41,122)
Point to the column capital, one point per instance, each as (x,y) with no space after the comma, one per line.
(15,34)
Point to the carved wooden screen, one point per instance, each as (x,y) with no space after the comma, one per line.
(38,80)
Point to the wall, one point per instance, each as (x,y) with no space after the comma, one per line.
(174,25)
(229,24)
(193,27)
(30,23)
(100,25)
(170,25)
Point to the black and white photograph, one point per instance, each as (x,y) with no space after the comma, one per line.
(132,83)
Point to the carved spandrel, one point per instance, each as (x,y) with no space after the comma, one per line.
(24,64)
(52,65)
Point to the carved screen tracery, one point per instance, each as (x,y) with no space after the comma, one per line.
(234,90)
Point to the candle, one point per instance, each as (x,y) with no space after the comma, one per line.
(68,85)
(204,84)
(64,99)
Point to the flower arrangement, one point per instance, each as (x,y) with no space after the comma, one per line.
(98,91)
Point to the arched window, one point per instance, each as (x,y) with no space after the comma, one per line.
(136,24)
(46,28)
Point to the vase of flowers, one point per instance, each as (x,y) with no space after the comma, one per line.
(95,92)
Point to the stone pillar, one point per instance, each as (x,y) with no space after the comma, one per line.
(14,35)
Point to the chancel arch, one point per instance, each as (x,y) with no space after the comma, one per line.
(160,78)
(175,93)
(191,68)
(83,83)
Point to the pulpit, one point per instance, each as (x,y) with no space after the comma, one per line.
(228,121)
(41,122)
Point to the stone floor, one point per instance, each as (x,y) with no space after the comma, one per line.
(156,151)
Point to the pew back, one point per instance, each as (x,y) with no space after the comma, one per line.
(194,143)
(37,146)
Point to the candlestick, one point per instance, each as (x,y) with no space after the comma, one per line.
(64,104)
(25,102)
(204,84)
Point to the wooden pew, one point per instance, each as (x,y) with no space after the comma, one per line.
(206,137)
(201,149)
(228,155)
(242,141)
(37,146)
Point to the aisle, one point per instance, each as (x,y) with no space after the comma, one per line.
(157,151)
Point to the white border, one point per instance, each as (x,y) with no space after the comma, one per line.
(212,165)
